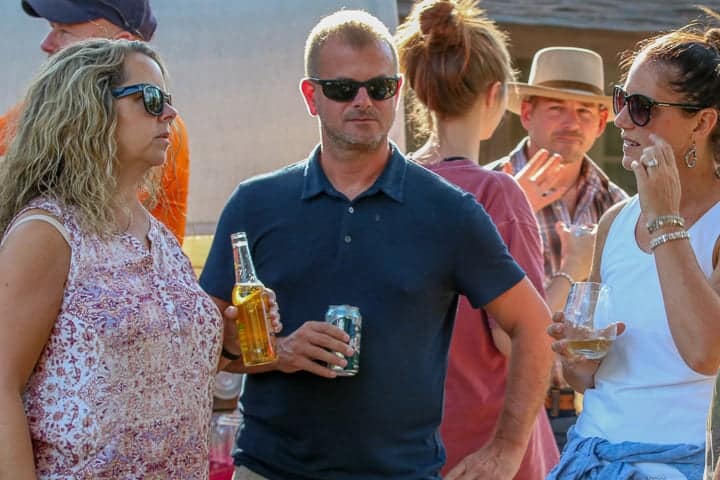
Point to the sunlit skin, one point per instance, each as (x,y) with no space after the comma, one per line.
(363,123)
(142,139)
(499,96)
(566,127)
(62,35)
(669,123)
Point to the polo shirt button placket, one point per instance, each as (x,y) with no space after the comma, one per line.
(348,239)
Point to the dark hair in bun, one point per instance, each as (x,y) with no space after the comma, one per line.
(440,25)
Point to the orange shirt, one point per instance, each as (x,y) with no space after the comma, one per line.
(7,123)
(172,205)
(171,209)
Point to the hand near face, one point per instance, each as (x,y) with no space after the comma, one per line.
(658,179)
(539,179)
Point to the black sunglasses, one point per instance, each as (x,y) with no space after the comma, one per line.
(154,99)
(640,106)
(378,88)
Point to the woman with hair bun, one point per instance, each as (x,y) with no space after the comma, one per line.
(458,67)
(646,403)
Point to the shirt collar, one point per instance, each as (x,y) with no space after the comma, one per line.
(391,181)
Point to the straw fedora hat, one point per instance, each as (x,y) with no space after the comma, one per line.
(566,73)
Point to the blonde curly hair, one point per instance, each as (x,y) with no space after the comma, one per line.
(65,147)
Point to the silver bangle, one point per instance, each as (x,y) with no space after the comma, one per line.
(663,221)
(564,275)
(667,237)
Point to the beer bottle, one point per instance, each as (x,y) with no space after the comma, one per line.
(253,324)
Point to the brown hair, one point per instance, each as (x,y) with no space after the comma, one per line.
(356,28)
(450,53)
(692,55)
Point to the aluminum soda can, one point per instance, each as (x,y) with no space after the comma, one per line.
(348,319)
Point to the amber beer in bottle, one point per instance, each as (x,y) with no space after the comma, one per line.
(253,325)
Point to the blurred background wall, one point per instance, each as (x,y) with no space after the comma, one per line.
(234,69)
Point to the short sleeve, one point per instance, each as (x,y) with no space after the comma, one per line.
(483,267)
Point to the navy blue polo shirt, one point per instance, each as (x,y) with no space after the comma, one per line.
(402,252)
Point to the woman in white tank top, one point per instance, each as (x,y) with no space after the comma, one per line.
(646,402)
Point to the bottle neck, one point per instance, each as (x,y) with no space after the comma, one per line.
(244,268)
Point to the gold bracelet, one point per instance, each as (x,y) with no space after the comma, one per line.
(663,221)
(667,237)
(564,275)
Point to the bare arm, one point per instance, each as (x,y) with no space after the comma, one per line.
(579,372)
(34,263)
(522,313)
(692,303)
(576,255)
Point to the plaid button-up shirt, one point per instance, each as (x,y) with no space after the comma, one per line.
(596,193)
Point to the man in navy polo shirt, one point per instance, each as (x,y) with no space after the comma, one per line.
(356,223)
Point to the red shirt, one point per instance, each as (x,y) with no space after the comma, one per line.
(477,370)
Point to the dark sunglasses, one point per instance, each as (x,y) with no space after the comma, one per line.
(378,88)
(154,99)
(640,106)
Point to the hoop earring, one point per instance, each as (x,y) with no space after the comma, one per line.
(691,156)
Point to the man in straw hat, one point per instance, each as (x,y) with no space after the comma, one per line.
(564,110)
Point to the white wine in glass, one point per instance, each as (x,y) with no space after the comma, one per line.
(589,331)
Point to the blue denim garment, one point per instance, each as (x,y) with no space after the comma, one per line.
(586,457)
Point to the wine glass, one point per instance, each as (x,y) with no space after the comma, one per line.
(589,330)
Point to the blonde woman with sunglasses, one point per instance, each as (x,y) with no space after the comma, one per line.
(109,346)
(646,402)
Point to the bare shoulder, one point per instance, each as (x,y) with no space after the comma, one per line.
(608,218)
(35,242)
(34,265)
(603,229)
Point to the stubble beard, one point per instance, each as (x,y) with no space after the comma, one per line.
(351,143)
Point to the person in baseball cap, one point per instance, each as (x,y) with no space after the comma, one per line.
(72,21)
(133,16)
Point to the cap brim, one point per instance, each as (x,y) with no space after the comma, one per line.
(518,91)
(60,11)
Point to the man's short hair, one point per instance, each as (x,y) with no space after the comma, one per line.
(356,28)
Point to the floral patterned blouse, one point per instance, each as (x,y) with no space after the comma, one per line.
(123,388)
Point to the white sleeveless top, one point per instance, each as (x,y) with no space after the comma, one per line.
(644,391)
